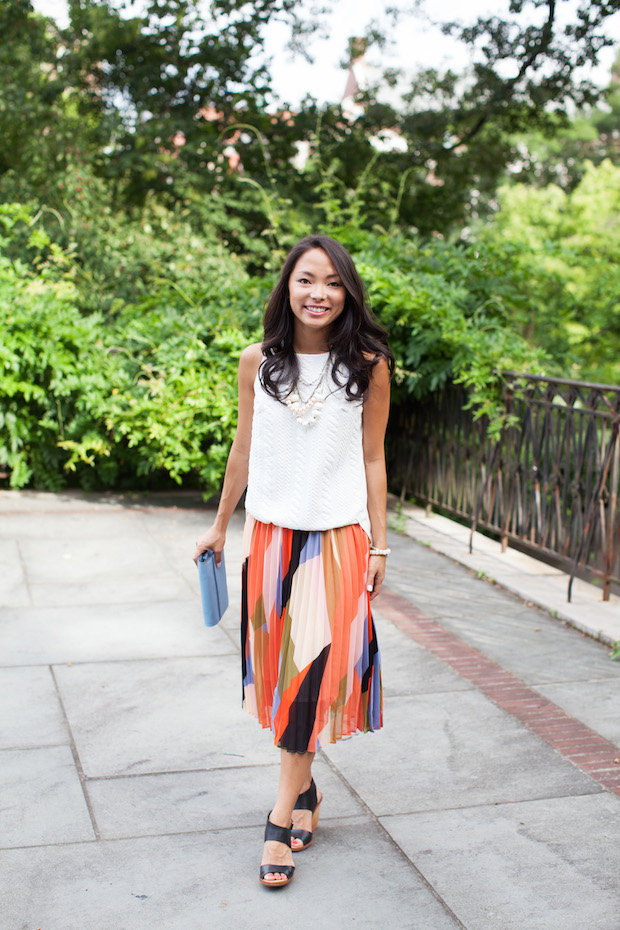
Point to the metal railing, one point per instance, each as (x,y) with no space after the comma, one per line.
(547,485)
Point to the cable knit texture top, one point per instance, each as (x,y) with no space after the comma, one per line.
(307,477)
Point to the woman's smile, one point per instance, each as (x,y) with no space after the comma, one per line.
(316,311)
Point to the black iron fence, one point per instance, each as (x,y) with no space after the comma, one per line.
(547,485)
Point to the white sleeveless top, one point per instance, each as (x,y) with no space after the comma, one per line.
(307,477)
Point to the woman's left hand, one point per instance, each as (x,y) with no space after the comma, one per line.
(376,574)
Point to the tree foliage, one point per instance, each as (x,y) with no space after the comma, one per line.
(458,132)
(145,398)
(561,253)
(37,120)
(149,397)
(153,101)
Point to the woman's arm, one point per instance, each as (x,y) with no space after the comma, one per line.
(375,418)
(236,475)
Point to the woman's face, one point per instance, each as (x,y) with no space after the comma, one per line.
(316,292)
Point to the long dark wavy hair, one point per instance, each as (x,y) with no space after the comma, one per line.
(356,340)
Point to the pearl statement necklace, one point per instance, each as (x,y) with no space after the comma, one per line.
(308,411)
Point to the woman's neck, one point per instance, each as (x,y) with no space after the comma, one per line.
(310,344)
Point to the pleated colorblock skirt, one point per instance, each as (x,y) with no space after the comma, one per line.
(310,660)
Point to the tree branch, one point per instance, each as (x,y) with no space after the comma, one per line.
(546,35)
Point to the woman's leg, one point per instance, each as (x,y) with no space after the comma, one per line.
(294,778)
(303,819)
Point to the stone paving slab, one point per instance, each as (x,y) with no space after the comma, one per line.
(190,802)
(68,502)
(453,750)
(43,527)
(437,586)
(159,716)
(30,712)
(536,649)
(535,646)
(13,589)
(586,611)
(41,799)
(519,573)
(408,668)
(179,778)
(100,632)
(137,587)
(568,736)
(174,535)
(536,865)
(85,563)
(356,877)
(601,712)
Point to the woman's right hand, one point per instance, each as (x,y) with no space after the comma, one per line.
(214,539)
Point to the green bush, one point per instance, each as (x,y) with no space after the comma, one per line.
(142,399)
(560,253)
(171,409)
(143,393)
(52,362)
(443,325)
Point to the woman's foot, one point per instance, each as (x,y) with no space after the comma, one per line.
(277,852)
(306,816)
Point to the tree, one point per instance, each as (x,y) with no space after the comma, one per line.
(37,120)
(164,83)
(560,254)
(149,93)
(152,100)
(591,136)
(527,74)
(530,70)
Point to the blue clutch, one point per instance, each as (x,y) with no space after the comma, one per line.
(213,588)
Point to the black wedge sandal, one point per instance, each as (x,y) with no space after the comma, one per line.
(307,801)
(279,835)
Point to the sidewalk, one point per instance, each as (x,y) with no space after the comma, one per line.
(134,789)
(532,580)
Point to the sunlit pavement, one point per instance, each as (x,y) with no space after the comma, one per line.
(134,788)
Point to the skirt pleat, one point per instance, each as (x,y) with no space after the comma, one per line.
(310,662)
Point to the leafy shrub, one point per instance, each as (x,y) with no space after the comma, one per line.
(443,326)
(51,363)
(561,252)
(145,392)
(146,398)
(172,407)
(115,257)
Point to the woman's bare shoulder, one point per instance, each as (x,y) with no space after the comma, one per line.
(250,359)
(381,369)
(253,353)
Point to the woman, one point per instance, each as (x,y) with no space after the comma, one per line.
(313,409)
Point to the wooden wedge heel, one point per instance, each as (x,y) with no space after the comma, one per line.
(307,801)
